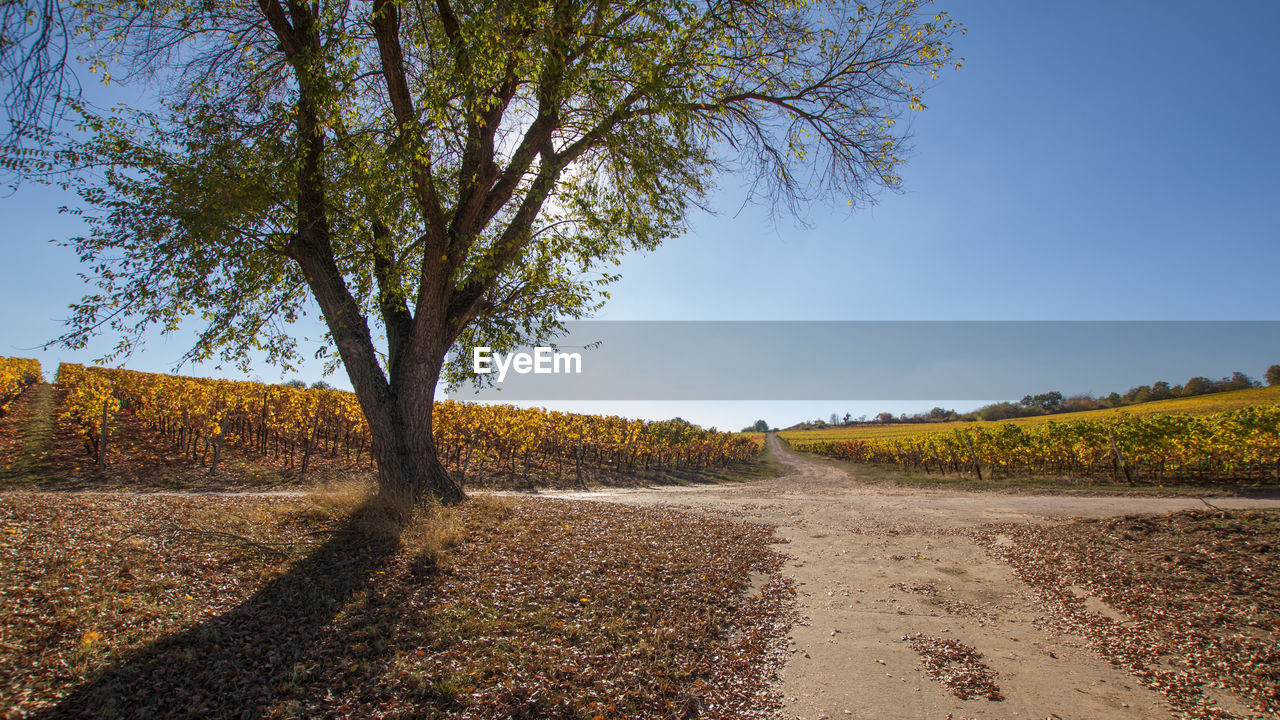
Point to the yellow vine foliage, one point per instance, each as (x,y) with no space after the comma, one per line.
(1238,444)
(501,438)
(16,375)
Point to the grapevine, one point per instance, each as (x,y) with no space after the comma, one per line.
(16,375)
(292,425)
(1240,444)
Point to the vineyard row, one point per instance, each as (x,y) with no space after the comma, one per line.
(1236,445)
(16,375)
(294,425)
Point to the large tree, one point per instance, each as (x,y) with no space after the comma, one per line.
(437,173)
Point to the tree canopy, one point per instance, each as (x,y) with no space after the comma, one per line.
(450,172)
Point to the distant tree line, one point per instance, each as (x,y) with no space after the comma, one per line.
(1054,402)
(302,385)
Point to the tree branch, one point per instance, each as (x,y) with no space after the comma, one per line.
(386,26)
(282,28)
(391,302)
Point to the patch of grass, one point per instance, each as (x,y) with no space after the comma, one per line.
(761,467)
(90,648)
(426,529)
(216,606)
(495,507)
(336,498)
(26,436)
(437,530)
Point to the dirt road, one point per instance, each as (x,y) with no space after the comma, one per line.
(874,565)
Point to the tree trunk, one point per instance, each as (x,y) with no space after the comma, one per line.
(398,405)
(408,461)
(400,424)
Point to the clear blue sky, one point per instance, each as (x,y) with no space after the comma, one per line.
(1091,160)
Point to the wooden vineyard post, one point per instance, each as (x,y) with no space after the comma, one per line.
(217,452)
(973,455)
(102,437)
(1120,458)
(311,441)
(579,457)
(262,425)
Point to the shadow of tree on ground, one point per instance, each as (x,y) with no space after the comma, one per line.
(254,657)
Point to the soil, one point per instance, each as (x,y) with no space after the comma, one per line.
(879,569)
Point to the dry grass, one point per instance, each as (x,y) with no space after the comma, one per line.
(499,507)
(426,529)
(436,530)
(337,498)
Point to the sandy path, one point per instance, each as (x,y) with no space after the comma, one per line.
(853,545)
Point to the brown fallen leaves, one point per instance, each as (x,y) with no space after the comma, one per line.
(955,665)
(1197,595)
(950,605)
(235,607)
